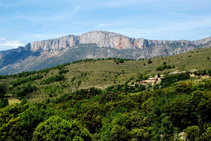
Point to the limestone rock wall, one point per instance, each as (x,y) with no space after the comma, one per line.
(107,39)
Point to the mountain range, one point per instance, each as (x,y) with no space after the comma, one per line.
(92,45)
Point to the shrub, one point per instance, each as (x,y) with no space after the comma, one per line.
(169,79)
(23,101)
(73,78)
(29,79)
(63,71)
(110,88)
(3,102)
(209,72)
(79,82)
(52,79)
(149,61)
(26,90)
(2,90)
(163,67)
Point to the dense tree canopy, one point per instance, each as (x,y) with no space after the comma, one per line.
(120,112)
(60,129)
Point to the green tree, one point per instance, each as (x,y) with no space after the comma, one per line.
(119,133)
(139,134)
(192,132)
(23,101)
(121,60)
(166,129)
(206,136)
(149,61)
(4,102)
(56,128)
(2,91)
(209,72)
(158,75)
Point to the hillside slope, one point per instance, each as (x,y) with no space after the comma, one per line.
(103,73)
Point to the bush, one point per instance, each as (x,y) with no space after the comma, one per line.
(119,60)
(53,79)
(149,61)
(79,82)
(29,79)
(163,67)
(201,72)
(26,90)
(63,71)
(209,72)
(169,79)
(73,78)
(87,93)
(110,88)
(3,102)
(2,90)
(23,101)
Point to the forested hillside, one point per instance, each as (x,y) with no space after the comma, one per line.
(116,113)
(106,100)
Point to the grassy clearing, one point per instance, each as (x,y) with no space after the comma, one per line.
(12,100)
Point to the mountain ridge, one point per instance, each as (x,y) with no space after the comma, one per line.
(122,41)
(90,45)
(105,39)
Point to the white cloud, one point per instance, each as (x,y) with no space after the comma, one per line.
(103,25)
(10,43)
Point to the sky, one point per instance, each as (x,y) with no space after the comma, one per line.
(25,21)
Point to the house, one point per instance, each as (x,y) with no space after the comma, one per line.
(152,81)
(143,82)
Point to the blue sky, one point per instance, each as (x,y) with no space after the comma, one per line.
(24,21)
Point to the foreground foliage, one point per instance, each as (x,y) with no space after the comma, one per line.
(114,114)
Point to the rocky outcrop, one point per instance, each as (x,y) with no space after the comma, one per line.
(53,44)
(107,39)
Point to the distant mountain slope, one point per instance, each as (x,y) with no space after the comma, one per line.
(96,44)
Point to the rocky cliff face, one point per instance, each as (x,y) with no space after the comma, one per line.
(53,44)
(107,39)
